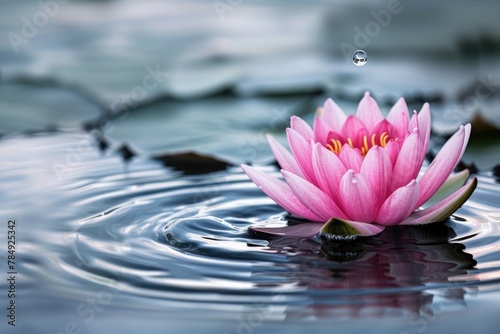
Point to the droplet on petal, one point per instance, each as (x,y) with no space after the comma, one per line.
(354,180)
(359,58)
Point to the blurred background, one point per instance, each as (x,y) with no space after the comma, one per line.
(85,85)
(212,76)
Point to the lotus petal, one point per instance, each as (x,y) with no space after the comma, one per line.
(369,112)
(351,158)
(408,162)
(321,131)
(452,184)
(377,169)
(399,118)
(333,115)
(442,165)
(302,151)
(358,199)
(284,157)
(399,205)
(299,125)
(329,171)
(313,198)
(280,192)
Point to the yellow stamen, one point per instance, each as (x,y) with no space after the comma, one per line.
(365,145)
(349,141)
(373,139)
(339,145)
(335,145)
(384,137)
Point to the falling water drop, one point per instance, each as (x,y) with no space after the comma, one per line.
(359,58)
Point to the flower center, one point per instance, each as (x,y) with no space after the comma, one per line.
(363,145)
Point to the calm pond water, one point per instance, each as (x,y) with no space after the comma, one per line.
(151,247)
(132,213)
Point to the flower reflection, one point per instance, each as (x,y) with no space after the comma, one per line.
(401,269)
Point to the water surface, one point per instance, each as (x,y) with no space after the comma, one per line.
(132,212)
(172,248)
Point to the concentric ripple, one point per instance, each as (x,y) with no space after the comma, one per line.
(154,236)
(184,239)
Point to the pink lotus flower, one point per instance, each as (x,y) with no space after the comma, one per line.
(354,175)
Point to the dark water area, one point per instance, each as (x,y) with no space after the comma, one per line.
(122,127)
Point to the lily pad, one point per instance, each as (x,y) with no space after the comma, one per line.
(31,108)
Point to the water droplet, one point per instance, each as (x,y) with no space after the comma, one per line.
(359,58)
(354,180)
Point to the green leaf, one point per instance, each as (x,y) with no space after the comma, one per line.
(452,184)
(343,229)
(442,210)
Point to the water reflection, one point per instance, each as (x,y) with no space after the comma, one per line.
(404,268)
